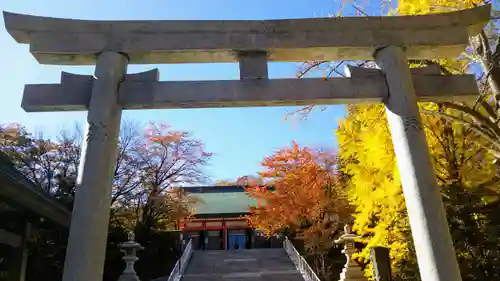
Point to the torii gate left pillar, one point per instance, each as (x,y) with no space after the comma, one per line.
(86,249)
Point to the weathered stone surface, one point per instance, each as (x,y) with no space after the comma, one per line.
(429,227)
(65,41)
(128,277)
(86,249)
(381,263)
(282,92)
(253,65)
(143,93)
(130,249)
(248,265)
(73,93)
(351,271)
(152,75)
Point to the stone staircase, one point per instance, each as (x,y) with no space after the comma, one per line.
(244,265)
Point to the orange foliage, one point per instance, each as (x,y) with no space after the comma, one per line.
(159,162)
(306,198)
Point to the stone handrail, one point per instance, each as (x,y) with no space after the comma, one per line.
(181,264)
(299,261)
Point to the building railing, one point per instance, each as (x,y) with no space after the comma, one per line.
(299,261)
(182,263)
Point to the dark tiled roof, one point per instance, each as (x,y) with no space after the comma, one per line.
(20,191)
(220,201)
(214,189)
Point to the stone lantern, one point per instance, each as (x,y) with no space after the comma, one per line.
(352,271)
(130,249)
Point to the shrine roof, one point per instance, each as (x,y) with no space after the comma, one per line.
(221,200)
(21,193)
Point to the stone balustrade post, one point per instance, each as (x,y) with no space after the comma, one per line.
(381,263)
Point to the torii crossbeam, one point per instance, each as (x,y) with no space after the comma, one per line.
(73,94)
(112,45)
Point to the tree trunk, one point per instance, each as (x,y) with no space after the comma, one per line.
(494,83)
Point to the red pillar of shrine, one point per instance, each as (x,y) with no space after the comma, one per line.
(224,235)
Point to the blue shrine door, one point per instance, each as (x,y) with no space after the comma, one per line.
(236,240)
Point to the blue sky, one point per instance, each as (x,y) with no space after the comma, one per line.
(238,137)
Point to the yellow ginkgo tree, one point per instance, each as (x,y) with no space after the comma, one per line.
(466,173)
(464,141)
(484,51)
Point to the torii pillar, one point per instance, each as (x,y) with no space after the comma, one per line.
(429,226)
(88,234)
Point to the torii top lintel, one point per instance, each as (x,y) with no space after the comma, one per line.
(77,42)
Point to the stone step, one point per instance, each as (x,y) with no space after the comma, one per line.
(239,261)
(244,265)
(247,276)
(247,253)
(235,269)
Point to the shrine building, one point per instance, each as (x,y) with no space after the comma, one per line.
(24,208)
(218,221)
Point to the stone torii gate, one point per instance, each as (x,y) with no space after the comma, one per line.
(112,45)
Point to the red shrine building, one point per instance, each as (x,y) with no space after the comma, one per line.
(218,221)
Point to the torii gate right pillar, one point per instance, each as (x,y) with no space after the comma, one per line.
(431,236)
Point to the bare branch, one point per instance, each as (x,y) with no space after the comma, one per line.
(485,134)
(476,116)
(310,65)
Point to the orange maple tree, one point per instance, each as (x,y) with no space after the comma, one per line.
(305,196)
(159,161)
